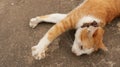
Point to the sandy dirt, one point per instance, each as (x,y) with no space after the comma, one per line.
(17,38)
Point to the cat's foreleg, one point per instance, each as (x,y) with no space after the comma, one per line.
(52,18)
(38,51)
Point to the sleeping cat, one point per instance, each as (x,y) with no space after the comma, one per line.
(88,19)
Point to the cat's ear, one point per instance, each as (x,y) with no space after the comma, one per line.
(103,47)
(98,39)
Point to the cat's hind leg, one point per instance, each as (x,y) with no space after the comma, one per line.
(51,18)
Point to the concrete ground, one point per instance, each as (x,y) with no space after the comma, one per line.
(17,38)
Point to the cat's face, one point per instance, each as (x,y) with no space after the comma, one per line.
(88,40)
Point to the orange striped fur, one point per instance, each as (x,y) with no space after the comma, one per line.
(104,10)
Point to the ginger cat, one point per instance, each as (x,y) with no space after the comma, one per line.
(88,19)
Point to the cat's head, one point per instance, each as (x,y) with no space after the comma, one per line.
(88,39)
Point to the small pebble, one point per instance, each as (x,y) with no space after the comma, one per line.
(118,24)
(12,4)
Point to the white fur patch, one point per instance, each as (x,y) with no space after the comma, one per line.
(44,41)
(87,19)
(51,18)
(55,18)
(38,51)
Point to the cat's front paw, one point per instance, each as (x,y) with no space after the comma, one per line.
(38,53)
(34,22)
